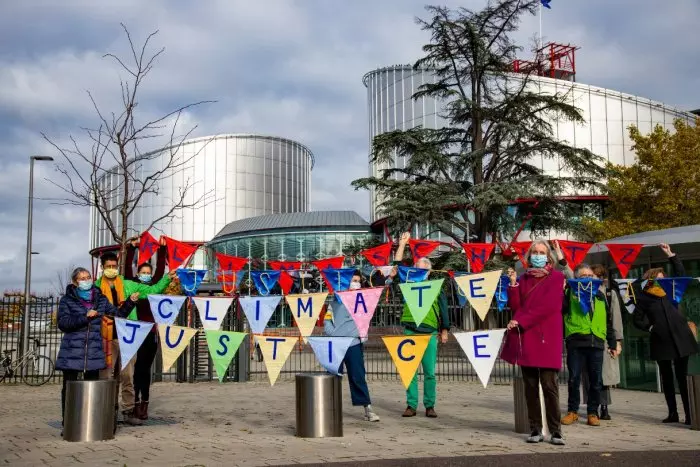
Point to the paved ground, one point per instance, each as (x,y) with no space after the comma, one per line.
(253,424)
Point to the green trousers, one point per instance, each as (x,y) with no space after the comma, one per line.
(429,383)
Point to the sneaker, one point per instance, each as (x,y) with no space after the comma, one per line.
(409,412)
(130,419)
(569,419)
(557,439)
(535,437)
(370,416)
(593,420)
(430,412)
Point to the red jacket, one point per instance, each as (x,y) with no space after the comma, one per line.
(537,307)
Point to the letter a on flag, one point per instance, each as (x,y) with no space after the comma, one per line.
(223,345)
(275,351)
(480,289)
(361,305)
(131,335)
(173,340)
(212,311)
(259,310)
(165,308)
(407,352)
(482,348)
(420,296)
(306,309)
(330,351)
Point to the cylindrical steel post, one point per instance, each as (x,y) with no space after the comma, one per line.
(694,396)
(319,405)
(89,413)
(522,424)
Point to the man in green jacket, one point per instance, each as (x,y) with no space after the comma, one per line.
(116,289)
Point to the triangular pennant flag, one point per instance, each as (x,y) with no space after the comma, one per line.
(623,286)
(190,280)
(230,280)
(479,289)
(286,282)
(409,274)
(502,292)
(148,245)
(521,249)
(212,311)
(265,281)
(306,309)
(165,308)
(407,352)
(330,351)
(422,248)
(178,252)
(675,287)
(461,298)
(574,252)
(329,263)
(379,255)
(259,310)
(624,255)
(131,335)
(482,348)
(230,263)
(337,280)
(584,290)
(361,305)
(420,296)
(173,340)
(223,345)
(275,351)
(478,254)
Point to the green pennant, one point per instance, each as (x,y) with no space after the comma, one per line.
(420,296)
(223,345)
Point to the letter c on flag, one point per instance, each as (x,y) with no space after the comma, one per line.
(399,349)
(160,306)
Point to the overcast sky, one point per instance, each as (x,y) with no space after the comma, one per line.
(285,68)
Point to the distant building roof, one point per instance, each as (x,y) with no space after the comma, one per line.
(673,236)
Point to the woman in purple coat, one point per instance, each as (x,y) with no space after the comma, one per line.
(535,338)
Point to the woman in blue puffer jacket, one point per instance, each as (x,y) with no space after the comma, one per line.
(80,314)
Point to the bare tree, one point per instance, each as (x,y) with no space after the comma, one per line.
(62,279)
(119,147)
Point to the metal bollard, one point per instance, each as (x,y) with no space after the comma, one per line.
(89,413)
(522,423)
(694,396)
(319,404)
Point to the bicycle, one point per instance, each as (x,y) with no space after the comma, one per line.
(35,369)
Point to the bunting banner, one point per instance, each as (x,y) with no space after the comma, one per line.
(478,254)
(480,289)
(212,311)
(173,341)
(131,335)
(361,305)
(265,281)
(230,263)
(285,280)
(178,252)
(623,286)
(230,280)
(330,351)
(412,274)
(223,345)
(275,351)
(165,308)
(148,245)
(624,255)
(420,296)
(190,280)
(406,353)
(337,280)
(329,263)
(306,309)
(584,290)
(422,248)
(502,292)
(259,310)
(675,287)
(379,255)
(574,252)
(521,249)
(461,298)
(482,349)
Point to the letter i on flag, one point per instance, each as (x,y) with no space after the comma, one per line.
(223,345)
(480,289)
(330,351)
(407,352)
(361,305)
(212,311)
(259,310)
(173,340)
(482,348)
(306,309)
(275,351)
(420,296)
(131,335)
(165,308)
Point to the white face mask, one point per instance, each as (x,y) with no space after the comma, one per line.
(355,285)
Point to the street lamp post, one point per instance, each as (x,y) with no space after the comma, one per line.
(24,345)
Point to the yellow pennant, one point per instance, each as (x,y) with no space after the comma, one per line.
(407,352)
(275,351)
(173,340)
(306,308)
(479,289)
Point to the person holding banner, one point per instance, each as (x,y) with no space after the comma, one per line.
(671,340)
(534,340)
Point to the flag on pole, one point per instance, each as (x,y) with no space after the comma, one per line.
(545,3)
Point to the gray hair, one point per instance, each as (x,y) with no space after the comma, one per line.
(76,272)
(580,267)
(426,260)
(550,254)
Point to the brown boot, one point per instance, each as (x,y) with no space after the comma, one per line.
(137,410)
(409,412)
(430,412)
(569,419)
(143,414)
(130,419)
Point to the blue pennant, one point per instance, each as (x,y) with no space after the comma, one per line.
(265,281)
(190,280)
(502,292)
(674,287)
(461,298)
(546,3)
(410,274)
(338,279)
(585,290)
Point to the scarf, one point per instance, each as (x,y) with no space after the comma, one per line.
(107,324)
(539,272)
(654,289)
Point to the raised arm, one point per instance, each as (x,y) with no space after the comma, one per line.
(160,263)
(129,262)
(513,291)
(403,241)
(676,264)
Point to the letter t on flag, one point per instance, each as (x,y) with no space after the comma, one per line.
(574,252)
(482,348)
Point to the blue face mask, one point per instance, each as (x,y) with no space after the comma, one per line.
(145,278)
(538,260)
(85,285)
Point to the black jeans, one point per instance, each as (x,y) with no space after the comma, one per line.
(354,363)
(142,369)
(548,378)
(592,359)
(72,375)
(666,368)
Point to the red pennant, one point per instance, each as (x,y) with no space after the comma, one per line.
(286,282)
(147,246)
(178,252)
(478,254)
(333,263)
(230,263)
(574,252)
(521,249)
(422,248)
(379,255)
(624,255)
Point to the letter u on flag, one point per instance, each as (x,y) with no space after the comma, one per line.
(407,352)
(165,308)
(420,296)
(259,310)
(480,289)
(482,348)
(265,281)
(223,345)
(131,335)
(330,351)
(190,280)
(173,340)
(361,305)
(275,351)
(212,311)
(306,309)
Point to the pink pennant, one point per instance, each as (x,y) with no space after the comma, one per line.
(361,304)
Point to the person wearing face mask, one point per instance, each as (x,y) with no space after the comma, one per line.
(79,314)
(534,340)
(339,323)
(671,341)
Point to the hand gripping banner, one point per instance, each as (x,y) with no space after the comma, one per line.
(407,352)
(330,351)
(131,335)
(480,289)
(275,351)
(420,296)
(259,310)
(521,249)
(223,345)
(482,348)
(165,308)
(306,309)
(361,305)
(212,311)
(173,340)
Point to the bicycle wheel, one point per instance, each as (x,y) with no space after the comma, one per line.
(38,370)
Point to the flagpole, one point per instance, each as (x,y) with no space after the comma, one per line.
(540,35)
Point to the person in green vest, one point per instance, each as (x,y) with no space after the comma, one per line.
(585,335)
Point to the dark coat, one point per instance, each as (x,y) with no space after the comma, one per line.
(81,333)
(670,335)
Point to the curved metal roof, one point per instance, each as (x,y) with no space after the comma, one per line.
(673,236)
